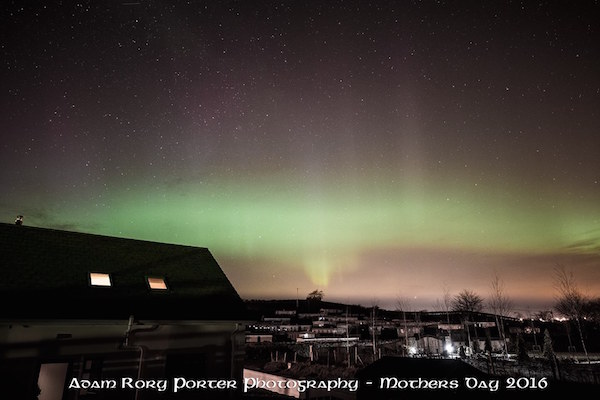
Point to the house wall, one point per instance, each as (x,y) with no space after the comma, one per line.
(431,345)
(259,338)
(209,350)
(51,380)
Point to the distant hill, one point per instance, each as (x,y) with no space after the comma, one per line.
(268,308)
(259,308)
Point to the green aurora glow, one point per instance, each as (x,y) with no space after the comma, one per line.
(369,150)
(318,232)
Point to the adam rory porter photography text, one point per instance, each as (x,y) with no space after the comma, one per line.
(179,384)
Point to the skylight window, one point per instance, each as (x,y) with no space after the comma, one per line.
(157,283)
(99,279)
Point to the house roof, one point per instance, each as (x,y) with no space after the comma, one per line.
(46,275)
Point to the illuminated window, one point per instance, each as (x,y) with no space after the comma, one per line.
(157,283)
(99,279)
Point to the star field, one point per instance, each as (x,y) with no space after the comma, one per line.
(369,149)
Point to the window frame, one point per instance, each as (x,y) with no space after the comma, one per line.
(157,278)
(100,275)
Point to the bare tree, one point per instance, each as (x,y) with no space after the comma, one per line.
(501,306)
(543,315)
(467,302)
(592,309)
(402,305)
(438,305)
(315,295)
(570,301)
(445,303)
(375,306)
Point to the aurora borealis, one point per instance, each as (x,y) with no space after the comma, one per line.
(374,150)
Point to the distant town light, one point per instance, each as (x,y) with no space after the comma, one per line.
(99,279)
(449,348)
(412,350)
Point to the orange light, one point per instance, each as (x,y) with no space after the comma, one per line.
(157,283)
(99,279)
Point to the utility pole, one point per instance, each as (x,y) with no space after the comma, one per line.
(374,345)
(347,338)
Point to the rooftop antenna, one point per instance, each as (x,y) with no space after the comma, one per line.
(19,220)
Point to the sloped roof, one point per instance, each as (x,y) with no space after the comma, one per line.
(45,275)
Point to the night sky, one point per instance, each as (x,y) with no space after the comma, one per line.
(376,150)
